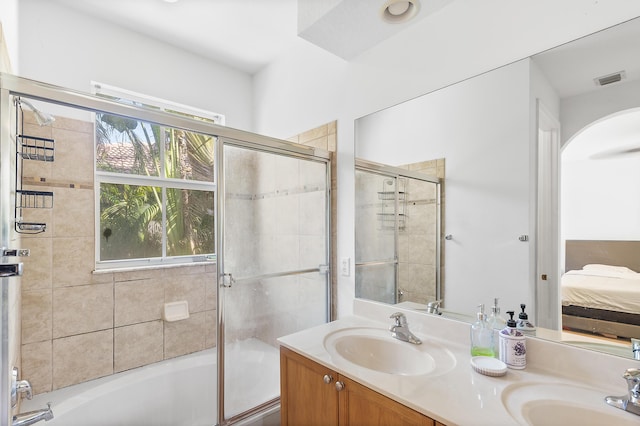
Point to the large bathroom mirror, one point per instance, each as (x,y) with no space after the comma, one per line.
(510,137)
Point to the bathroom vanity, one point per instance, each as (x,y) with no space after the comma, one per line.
(313,394)
(352,370)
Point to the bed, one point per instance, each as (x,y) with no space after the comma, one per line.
(600,289)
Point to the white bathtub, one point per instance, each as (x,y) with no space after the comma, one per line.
(177,392)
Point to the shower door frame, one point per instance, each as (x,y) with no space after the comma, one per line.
(276,147)
(396,173)
(11,85)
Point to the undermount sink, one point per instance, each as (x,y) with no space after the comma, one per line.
(562,404)
(376,350)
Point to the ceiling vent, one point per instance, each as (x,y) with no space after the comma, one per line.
(610,79)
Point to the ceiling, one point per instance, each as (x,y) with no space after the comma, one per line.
(243,34)
(249,34)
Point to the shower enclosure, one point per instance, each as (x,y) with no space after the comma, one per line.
(257,224)
(397,234)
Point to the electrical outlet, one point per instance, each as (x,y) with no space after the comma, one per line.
(345,267)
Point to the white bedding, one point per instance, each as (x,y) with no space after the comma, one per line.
(602,287)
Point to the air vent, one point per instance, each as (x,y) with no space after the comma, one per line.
(609,79)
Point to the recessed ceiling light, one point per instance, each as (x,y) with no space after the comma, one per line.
(399,11)
(170,1)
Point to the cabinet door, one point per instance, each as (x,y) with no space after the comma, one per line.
(360,406)
(305,398)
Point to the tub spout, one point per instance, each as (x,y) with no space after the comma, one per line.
(31,417)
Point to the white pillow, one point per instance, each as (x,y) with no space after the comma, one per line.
(606,268)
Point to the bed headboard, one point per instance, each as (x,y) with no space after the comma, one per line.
(617,253)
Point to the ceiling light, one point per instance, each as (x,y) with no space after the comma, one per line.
(399,11)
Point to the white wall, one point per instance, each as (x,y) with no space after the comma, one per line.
(600,197)
(62,47)
(9,22)
(459,41)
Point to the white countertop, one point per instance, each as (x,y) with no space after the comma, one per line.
(462,396)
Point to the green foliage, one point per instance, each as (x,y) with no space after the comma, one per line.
(130,215)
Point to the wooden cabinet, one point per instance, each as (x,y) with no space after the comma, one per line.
(312,394)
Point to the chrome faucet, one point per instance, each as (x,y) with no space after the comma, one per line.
(635,348)
(31,417)
(434,307)
(401,331)
(631,402)
(19,387)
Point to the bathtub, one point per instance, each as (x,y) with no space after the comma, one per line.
(176,392)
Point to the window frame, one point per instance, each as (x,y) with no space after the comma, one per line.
(160,181)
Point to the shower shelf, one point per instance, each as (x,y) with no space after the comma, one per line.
(36,148)
(34,199)
(391,195)
(33,148)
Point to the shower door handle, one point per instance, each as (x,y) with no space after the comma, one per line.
(226,280)
(10,270)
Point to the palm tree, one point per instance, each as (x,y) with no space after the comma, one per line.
(126,145)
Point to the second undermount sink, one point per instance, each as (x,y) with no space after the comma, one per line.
(376,350)
(548,404)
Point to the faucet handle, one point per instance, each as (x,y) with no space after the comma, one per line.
(401,320)
(632,376)
(23,386)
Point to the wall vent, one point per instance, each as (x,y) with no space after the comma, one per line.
(610,78)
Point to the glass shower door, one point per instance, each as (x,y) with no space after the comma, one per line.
(377,217)
(273,275)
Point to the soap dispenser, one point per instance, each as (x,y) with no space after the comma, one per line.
(482,336)
(524,325)
(496,321)
(512,343)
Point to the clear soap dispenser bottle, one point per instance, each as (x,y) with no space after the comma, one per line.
(482,336)
(496,321)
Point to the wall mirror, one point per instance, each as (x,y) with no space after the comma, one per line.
(504,135)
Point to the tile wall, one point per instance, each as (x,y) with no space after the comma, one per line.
(77,324)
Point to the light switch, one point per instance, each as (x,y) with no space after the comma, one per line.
(345,266)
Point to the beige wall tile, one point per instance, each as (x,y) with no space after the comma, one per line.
(210,288)
(32,128)
(75,125)
(211,331)
(186,288)
(74,261)
(82,309)
(138,345)
(73,157)
(184,337)
(313,134)
(80,358)
(74,213)
(332,127)
(37,317)
(138,301)
(36,366)
(37,266)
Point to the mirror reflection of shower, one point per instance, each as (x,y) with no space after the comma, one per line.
(397,234)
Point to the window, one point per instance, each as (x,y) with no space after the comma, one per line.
(156,188)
